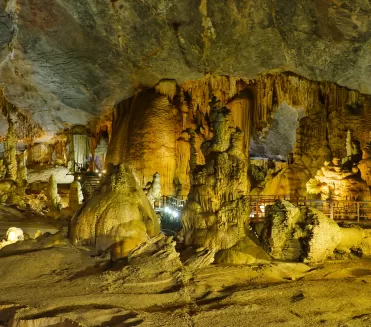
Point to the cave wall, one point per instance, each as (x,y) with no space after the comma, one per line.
(162,129)
(51,64)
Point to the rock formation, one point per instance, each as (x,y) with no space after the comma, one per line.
(336,182)
(198,41)
(119,216)
(217,212)
(10,153)
(293,234)
(144,137)
(364,165)
(289,181)
(76,197)
(154,190)
(52,194)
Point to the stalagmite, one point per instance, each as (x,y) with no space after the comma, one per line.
(52,194)
(76,197)
(118,218)
(216,215)
(293,234)
(154,192)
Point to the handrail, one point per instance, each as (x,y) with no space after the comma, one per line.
(339,210)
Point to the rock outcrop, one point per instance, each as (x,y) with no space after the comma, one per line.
(119,216)
(339,182)
(293,234)
(217,213)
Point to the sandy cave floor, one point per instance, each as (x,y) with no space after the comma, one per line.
(71,282)
(52,278)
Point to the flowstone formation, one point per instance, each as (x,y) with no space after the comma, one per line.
(345,179)
(217,212)
(117,218)
(288,181)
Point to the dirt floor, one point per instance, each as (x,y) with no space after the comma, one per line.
(68,286)
(49,282)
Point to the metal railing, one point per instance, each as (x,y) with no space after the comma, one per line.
(178,202)
(339,210)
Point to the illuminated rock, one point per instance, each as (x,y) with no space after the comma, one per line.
(217,212)
(245,251)
(365,164)
(299,235)
(154,191)
(14,234)
(119,216)
(76,197)
(52,194)
(144,137)
(336,182)
(289,181)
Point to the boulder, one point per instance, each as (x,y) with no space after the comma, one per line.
(299,235)
(246,251)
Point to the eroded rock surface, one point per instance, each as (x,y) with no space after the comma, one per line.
(217,213)
(293,234)
(119,216)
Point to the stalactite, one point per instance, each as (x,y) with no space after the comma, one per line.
(167,87)
(80,149)
(10,152)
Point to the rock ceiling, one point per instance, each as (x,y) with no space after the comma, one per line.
(67,60)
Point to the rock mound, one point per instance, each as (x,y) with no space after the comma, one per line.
(299,235)
(118,216)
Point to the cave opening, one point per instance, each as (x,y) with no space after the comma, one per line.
(277,140)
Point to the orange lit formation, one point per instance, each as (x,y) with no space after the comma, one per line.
(161,162)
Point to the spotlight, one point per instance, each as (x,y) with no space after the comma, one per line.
(104,171)
(100,175)
(96,170)
(167,209)
(175,214)
(79,177)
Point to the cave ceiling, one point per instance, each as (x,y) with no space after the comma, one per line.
(65,61)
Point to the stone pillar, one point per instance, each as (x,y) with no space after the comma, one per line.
(76,196)
(52,193)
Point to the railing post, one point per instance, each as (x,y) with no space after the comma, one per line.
(331,210)
(257,208)
(358,212)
